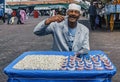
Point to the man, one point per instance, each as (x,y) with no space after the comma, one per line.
(18,16)
(9,14)
(1,14)
(68,34)
(92,12)
(13,16)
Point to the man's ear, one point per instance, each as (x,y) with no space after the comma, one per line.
(79,14)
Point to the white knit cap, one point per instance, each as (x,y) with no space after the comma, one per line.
(74,6)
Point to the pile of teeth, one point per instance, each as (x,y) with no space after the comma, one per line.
(94,62)
(97,62)
(108,65)
(42,62)
(60,62)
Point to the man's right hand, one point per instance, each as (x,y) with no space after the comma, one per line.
(57,18)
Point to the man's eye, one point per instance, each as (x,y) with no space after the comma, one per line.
(76,11)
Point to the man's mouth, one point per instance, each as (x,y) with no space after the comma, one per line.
(72,16)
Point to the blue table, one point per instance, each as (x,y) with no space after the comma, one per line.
(15,75)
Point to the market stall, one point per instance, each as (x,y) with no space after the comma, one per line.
(94,67)
(114,10)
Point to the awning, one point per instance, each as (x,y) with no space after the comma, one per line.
(57,6)
(18,6)
(41,8)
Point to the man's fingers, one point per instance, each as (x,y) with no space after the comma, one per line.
(57,18)
(60,18)
(77,54)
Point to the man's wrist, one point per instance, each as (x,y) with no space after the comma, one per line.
(48,21)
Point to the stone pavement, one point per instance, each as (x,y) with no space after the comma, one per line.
(16,39)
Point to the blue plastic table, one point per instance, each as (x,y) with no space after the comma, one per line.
(15,75)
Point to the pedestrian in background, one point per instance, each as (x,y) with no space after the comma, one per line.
(53,12)
(18,16)
(107,15)
(36,14)
(1,15)
(9,15)
(23,16)
(13,17)
(92,14)
(27,13)
(98,20)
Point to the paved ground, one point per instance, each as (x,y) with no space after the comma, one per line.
(16,39)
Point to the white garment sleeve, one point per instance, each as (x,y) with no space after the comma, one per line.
(85,45)
(42,29)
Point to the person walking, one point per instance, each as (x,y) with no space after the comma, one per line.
(13,17)
(1,15)
(9,15)
(36,14)
(92,14)
(18,16)
(99,16)
(23,16)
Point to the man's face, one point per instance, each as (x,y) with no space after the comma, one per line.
(73,15)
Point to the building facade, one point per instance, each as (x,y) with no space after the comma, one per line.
(31,2)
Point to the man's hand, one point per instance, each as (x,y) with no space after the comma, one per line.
(57,18)
(81,52)
(77,54)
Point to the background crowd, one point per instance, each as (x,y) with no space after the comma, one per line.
(97,13)
(22,14)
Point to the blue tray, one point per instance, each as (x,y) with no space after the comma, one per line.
(48,74)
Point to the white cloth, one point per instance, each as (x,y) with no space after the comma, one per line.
(74,6)
(9,11)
